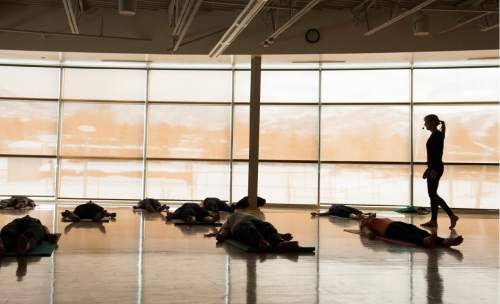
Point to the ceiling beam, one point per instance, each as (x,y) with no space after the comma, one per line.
(188,12)
(459,25)
(400,17)
(470,3)
(246,16)
(70,14)
(270,40)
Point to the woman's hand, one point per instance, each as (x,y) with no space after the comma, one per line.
(424,176)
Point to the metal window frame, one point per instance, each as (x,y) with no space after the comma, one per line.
(231,160)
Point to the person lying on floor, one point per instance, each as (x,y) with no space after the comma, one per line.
(251,230)
(193,212)
(215,204)
(24,233)
(151,205)
(17,202)
(243,203)
(404,232)
(344,211)
(89,210)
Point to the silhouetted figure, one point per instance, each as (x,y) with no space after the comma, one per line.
(435,169)
(17,202)
(215,204)
(344,211)
(89,210)
(404,232)
(151,205)
(193,212)
(24,233)
(253,231)
(243,203)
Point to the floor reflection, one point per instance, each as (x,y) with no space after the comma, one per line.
(139,258)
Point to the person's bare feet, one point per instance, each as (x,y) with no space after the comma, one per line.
(288,244)
(453,221)
(22,245)
(430,224)
(453,241)
(287,236)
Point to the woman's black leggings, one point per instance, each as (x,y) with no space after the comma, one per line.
(408,233)
(436,200)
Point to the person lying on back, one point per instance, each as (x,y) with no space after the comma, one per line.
(215,204)
(344,211)
(193,212)
(23,234)
(151,205)
(17,202)
(89,210)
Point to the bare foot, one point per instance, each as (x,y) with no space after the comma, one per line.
(430,224)
(287,236)
(453,221)
(453,241)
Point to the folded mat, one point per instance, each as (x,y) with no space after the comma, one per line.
(45,249)
(251,249)
(196,224)
(355,231)
(103,220)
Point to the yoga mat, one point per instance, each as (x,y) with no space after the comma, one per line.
(103,220)
(12,208)
(355,231)
(197,224)
(251,249)
(45,249)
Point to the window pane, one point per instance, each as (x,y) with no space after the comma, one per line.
(17,121)
(101,179)
(27,176)
(366,86)
(190,131)
(99,129)
(286,132)
(365,184)
(29,82)
(280,86)
(471,132)
(190,85)
(241,131)
(462,187)
(187,180)
(104,84)
(365,133)
(283,183)
(470,84)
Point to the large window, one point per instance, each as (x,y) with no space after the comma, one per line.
(181,132)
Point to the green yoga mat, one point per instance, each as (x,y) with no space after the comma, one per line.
(45,249)
(251,249)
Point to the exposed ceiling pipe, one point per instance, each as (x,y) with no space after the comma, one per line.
(46,34)
(400,17)
(187,16)
(459,25)
(270,40)
(240,23)
(489,28)
(70,14)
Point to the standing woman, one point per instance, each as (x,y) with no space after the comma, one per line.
(435,169)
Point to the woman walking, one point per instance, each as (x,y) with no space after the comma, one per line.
(435,169)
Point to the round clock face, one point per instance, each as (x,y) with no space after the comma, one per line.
(312,36)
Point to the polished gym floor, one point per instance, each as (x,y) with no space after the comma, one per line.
(141,259)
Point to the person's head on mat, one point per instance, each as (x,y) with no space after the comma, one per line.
(190,216)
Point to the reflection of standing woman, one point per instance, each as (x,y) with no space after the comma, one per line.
(435,169)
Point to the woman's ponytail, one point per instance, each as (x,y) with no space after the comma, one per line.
(443,127)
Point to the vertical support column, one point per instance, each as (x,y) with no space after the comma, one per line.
(231,132)
(411,137)
(253,158)
(57,182)
(145,135)
(320,75)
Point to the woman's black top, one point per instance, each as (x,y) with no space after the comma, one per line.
(434,147)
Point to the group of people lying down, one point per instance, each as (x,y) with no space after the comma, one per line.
(25,233)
